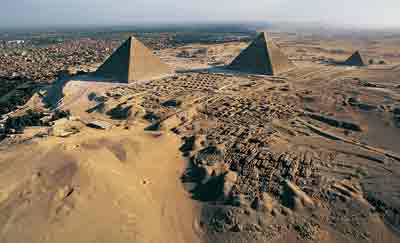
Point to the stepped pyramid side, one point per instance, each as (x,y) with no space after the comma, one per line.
(262,57)
(280,62)
(133,61)
(355,60)
(144,64)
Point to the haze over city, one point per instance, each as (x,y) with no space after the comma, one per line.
(340,13)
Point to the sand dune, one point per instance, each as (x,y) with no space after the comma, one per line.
(112,186)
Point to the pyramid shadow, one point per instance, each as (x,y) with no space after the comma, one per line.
(55,93)
(342,64)
(212,69)
(223,69)
(228,70)
(355,60)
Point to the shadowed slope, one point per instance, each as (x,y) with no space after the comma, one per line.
(262,57)
(355,60)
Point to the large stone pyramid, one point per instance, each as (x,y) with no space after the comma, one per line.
(132,61)
(355,60)
(262,57)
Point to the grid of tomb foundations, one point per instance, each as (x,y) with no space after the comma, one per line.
(242,125)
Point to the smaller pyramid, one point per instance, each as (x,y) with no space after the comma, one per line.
(355,60)
(262,56)
(133,61)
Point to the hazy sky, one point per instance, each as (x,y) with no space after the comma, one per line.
(362,13)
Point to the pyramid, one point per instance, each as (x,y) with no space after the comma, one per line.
(262,56)
(355,60)
(132,61)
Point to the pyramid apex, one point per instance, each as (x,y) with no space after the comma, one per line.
(262,56)
(264,33)
(133,61)
(356,59)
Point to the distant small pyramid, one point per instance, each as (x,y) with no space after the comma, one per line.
(262,56)
(355,60)
(133,61)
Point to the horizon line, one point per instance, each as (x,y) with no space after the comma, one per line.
(198,23)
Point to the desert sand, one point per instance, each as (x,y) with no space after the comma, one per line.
(118,185)
(212,154)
